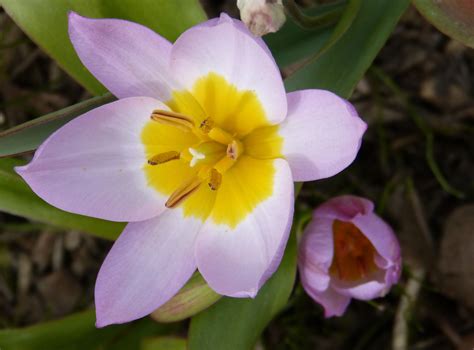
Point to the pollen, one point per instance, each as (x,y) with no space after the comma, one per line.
(353,253)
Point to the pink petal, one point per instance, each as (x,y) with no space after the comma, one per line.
(128,58)
(367,290)
(316,250)
(222,46)
(322,134)
(148,264)
(334,303)
(344,208)
(380,235)
(237,261)
(93,165)
(360,211)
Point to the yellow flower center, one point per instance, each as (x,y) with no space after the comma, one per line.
(353,253)
(206,153)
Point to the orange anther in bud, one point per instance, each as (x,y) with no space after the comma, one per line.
(354,254)
(163,157)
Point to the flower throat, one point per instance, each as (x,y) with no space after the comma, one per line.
(215,153)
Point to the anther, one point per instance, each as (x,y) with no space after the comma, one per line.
(172,118)
(164,157)
(183,192)
(234,149)
(215,179)
(206,125)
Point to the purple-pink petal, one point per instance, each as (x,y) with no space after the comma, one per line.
(127,58)
(237,261)
(93,165)
(223,47)
(333,303)
(147,265)
(380,235)
(321,134)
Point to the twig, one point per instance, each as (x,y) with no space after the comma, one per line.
(405,308)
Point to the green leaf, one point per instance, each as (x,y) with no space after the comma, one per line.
(46,24)
(343,65)
(454,18)
(78,332)
(291,43)
(234,323)
(345,22)
(28,136)
(164,343)
(17,198)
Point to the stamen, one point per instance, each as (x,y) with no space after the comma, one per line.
(172,118)
(215,179)
(224,164)
(220,136)
(163,157)
(183,192)
(206,125)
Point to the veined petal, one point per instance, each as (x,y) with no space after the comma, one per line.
(236,261)
(222,47)
(94,164)
(128,58)
(322,134)
(147,265)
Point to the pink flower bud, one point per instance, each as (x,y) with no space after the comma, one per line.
(347,252)
(262,16)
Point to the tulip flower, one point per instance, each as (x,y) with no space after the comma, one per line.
(198,154)
(346,252)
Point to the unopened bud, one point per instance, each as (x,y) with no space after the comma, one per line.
(194,297)
(262,16)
